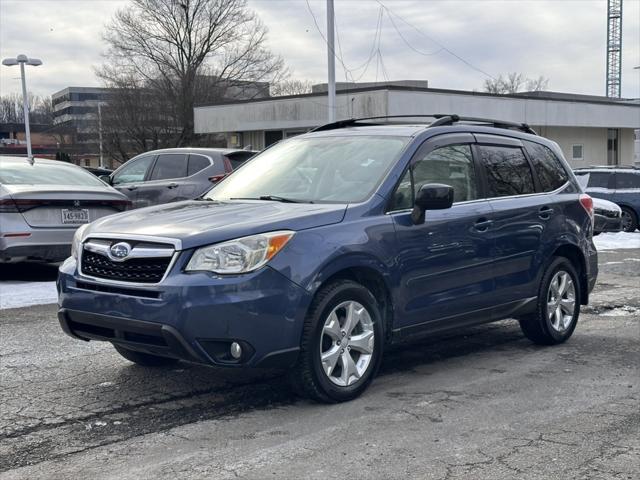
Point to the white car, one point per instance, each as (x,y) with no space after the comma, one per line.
(42,204)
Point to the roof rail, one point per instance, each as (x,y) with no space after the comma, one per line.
(440,120)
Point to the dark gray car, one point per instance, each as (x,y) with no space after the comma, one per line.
(172,174)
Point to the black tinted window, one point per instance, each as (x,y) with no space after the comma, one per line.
(507,171)
(197,163)
(627,180)
(170,166)
(550,171)
(451,165)
(599,180)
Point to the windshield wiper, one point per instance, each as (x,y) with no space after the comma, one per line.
(274,198)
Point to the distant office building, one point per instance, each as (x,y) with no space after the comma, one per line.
(591,130)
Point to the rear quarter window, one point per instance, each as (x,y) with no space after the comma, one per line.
(599,179)
(197,163)
(549,169)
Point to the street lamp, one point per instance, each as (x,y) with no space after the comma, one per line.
(34,62)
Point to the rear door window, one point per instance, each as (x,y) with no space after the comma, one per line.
(197,163)
(170,165)
(627,180)
(507,171)
(547,166)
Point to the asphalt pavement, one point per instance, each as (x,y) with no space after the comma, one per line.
(484,403)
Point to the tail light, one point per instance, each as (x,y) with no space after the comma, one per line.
(9,205)
(217,178)
(587,203)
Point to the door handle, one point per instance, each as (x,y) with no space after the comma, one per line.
(482,224)
(545,212)
(173,185)
(132,187)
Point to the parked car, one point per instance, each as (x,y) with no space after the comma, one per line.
(620,185)
(173,174)
(326,247)
(607,216)
(42,204)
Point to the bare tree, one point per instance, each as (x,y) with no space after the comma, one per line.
(40,109)
(185,51)
(291,87)
(513,83)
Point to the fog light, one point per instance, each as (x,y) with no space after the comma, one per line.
(236,350)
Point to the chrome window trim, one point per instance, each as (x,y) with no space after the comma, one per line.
(524,195)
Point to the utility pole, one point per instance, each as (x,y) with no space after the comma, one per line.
(100,133)
(331,58)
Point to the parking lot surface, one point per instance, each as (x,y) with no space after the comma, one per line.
(483,403)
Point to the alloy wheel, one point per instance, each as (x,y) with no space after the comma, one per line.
(561,301)
(627,221)
(347,343)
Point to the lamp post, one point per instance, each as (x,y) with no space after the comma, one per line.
(34,62)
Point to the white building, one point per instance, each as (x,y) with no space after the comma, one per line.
(590,130)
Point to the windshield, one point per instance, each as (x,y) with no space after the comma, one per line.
(323,169)
(23,173)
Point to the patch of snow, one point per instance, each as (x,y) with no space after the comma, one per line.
(24,294)
(615,241)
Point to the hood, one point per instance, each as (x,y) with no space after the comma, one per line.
(196,223)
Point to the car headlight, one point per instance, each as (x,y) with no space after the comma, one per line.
(241,255)
(77,241)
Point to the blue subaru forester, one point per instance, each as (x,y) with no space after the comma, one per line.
(325,248)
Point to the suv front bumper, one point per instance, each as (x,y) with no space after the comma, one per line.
(192,317)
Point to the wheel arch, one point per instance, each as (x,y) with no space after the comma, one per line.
(368,272)
(576,257)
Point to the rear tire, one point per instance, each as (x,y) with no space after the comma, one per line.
(558,305)
(342,342)
(144,359)
(629,220)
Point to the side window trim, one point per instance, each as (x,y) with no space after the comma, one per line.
(534,174)
(425,148)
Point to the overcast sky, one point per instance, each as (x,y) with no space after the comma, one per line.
(563,40)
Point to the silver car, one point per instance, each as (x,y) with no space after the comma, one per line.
(42,204)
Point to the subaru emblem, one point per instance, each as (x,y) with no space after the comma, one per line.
(120,251)
(76,203)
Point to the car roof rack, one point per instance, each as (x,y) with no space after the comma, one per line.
(609,167)
(440,120)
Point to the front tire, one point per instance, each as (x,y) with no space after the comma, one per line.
(144,359)
(342,344)
(558,305)
(629,220)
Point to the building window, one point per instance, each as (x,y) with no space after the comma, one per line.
(576,152)
(87,162)
(612,146)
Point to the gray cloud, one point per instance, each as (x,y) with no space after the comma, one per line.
(563,40)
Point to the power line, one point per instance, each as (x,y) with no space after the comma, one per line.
(443,47)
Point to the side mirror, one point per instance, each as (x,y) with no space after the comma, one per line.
(431,196)
(106,179)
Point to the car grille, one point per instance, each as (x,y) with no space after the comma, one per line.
(139,270)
